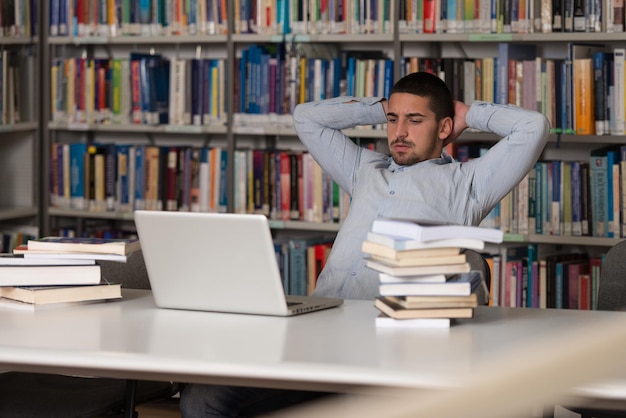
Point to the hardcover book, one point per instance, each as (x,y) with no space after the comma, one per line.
(33,275)
(41,295)
(122,246)
(397,312)
(418,270)
(424,231)
(425,302)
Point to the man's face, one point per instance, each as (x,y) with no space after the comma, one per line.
(413,133)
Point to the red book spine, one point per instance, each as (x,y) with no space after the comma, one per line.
(285,186)
(429,16)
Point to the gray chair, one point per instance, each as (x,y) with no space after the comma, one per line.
(479,264)
(612,290)
(34,395)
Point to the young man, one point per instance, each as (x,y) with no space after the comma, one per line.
(416,181)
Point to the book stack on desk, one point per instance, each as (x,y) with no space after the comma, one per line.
(59,270)
(425,279)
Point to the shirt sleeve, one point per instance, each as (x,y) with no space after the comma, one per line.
(319,126)
(524,135)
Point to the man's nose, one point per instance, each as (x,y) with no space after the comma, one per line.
(401,130)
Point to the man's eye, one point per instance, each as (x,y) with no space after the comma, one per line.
(415,120)
(391,120)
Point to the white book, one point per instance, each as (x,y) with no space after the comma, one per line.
(425,231)
(418,270)
(70,258)
(400,244)
(8,259)
(49,275)
(385,278)
(425,289)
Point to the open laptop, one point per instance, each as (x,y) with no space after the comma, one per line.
(217,262)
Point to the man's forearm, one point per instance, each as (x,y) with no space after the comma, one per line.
(339,113)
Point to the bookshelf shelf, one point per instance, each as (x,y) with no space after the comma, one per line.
(313,38)
(19,127)
(137,40)
(13,213)
(73,213)
(553,37)
(137,128)
(19,40)
(561,240)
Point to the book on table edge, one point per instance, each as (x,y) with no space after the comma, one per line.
(421,261)
(373,248)
(23,250)
(384,321)
(42,295)
(8,259)
(425,302)
(121,246)
(418,270)
(401,244)
(50,275)
(398,312)
(426,231)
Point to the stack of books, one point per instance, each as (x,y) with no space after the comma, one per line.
(425,279)
(55,271)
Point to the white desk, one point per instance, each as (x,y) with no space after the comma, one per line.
(337,349)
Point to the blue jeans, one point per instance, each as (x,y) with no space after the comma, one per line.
(197,401)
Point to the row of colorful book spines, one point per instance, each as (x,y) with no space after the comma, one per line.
(114,92)
(300,261)
(100,80)
(208,17)
(19,20)
(571,285)
(543,208)
(554,76)
(10,239)
(132,17)
(284,17)
(512,16)
(265,87)
(172,188)
(95,231)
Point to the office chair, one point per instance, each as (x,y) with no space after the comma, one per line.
(34,395)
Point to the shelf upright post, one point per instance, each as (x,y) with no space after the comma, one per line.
(230,108)
(43,118)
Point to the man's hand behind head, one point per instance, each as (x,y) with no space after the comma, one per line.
(459,124)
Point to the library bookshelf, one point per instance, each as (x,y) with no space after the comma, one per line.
(19,126)
(241,124)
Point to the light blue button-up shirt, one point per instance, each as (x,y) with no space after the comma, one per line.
(440,189)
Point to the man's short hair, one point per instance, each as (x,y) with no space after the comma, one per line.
(429,86)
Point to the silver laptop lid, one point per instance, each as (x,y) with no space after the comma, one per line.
(211,262)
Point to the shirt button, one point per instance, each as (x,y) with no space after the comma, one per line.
(392,192)
(353,273)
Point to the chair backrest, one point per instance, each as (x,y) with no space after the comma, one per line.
(612,287)
(132,274)
(478,263)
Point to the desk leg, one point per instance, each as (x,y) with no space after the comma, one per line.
(129,404)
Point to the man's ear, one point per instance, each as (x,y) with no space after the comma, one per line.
(445,128)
